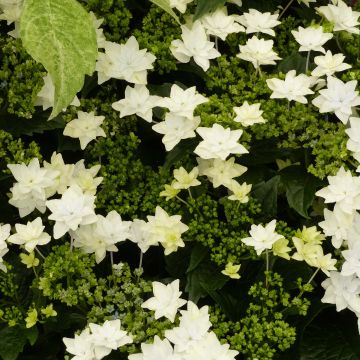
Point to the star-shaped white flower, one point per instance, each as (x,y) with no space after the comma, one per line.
(124,62)
(338,97)
(86,128)
(258,52)
(166,300)
(220,24)
(256,21)
(137,101)
(248,114)
(353,132)
(262,237)
(183,102)
(292,87)
(184,179)
(176,128)
(311,39)
(30,235)
(219,142)
(329,64)
(194,44)
(342,16)
(73,209)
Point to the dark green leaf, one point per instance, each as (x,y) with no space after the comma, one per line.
(166,7)
(293,62)
(205,6)
(300,188)
(198,254)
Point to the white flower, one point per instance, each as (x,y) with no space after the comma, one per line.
(351,264)
(175,128)
(107,337)
(100,37)
(221,172)
(86,127)
(248,114)
(256,21)
(139,235)
(344,189)
(337,224)
(102,235)
(292,87)
(262,237)
(220,24)
(258,52)
(343,291)
(343,16)
(194,44)
(30,235)
(240,192)
(353,132)
(339,97)
(183,102)
(85,178)
(166,230)
(329,64)
(185,180)
(158,350)
(4,234)
(46,95)
(73,209)
(311,39)
(137,101)
(219,142)
(180,4)
(33,184)
(11,13)
(166,300)
(81,346)
(124,62)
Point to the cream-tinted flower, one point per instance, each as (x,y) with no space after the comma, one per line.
(240,192)
(30,235)
(81,346)
(248,114)
(338,97)
(73,209)
(137,101)
(256,21)
(311,38)
(180,4)
(280,248)
(342,16)
(262,237)
(170,191)
(310,235)
(166,300)
(219,142)
(86,127)
(86,178)
(4,234)
(29,260)
(176,128)
(292,87)
(46,95)
(220,24)
(258,52)
(139,235)
(194,44)
(184,179)
(124,62)
(183,102)
(166,230)
(329,64)
(231,270)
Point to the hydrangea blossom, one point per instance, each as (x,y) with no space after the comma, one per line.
(311,38)
(258,52)
(194,44)
(219,142)
(338,97)
(329,64)
(139,235)
(256,21)
(353,132)
(124,62)
(248,114)
(4,234)
(166,300)
(292,87)
(220,24)
(86,178)
(86,127)
(184,179)
(240,192)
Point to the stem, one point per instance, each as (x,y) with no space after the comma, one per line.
(313,276)
(189,191)
(39,252)
(307,61)
(183,201)
(71,243)
(112,259)
(216,43)
(141,259)
(267,267)
(285,8)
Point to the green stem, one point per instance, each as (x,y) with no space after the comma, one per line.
(267,268)
(307,62)
(285,8)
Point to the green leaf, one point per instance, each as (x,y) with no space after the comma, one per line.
(293,62)
(266,192)
(300,188)
(165,5)
(205,6)
(60,35)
